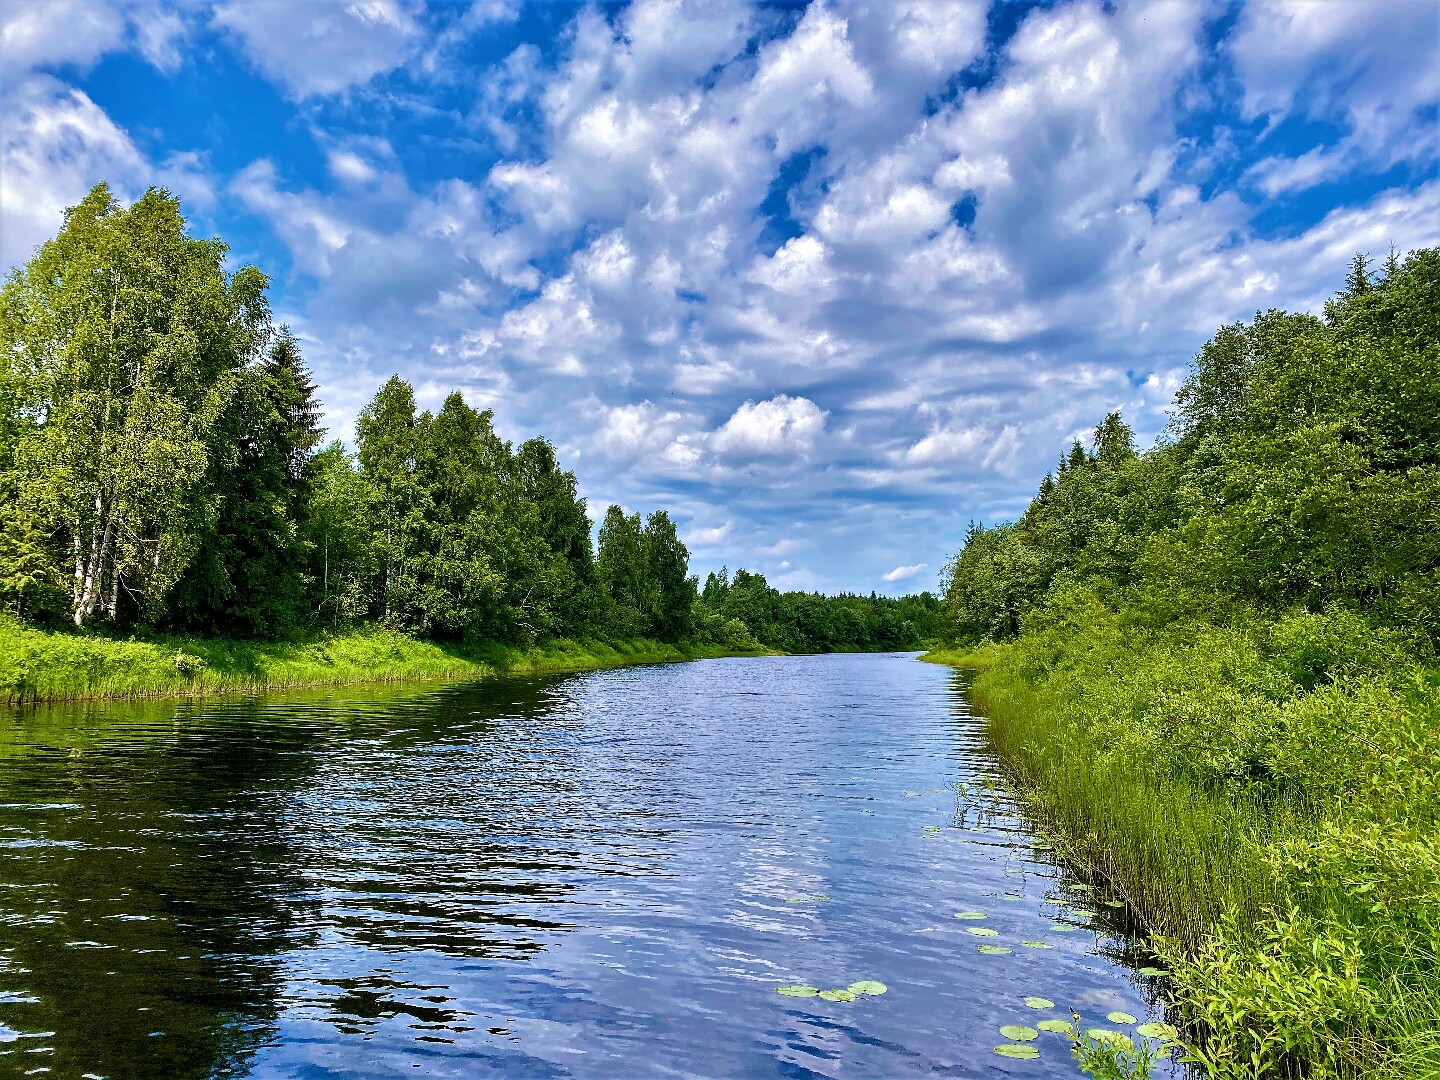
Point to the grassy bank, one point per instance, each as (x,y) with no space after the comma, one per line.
(1265,796)
(39,666)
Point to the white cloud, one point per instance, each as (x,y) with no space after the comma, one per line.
(781,425)
(902,573)
(39,33)
(322,46)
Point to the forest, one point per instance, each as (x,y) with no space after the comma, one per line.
(1213,667)
(163,470)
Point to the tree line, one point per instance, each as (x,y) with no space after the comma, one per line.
(1301,469)
(162,467)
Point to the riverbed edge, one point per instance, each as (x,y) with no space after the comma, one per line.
(40,667)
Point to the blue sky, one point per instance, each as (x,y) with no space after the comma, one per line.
(827,281)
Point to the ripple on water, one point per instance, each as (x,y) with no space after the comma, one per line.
(608,874)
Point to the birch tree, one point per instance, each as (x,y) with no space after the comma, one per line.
(127,336)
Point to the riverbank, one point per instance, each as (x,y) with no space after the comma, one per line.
(1265,796)
(40,666)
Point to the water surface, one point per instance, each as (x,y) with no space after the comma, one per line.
(604,875)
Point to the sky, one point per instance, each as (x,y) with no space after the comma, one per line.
(826,281)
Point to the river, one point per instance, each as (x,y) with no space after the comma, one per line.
(601,875)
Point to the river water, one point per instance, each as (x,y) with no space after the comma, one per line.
(602,875)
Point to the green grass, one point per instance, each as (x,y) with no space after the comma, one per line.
(1266,796)
(36,665)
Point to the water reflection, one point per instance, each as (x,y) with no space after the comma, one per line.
(604,875)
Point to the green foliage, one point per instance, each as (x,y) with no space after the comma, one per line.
(809,622)
(1221,682)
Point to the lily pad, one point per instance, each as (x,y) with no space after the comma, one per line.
(1013,896)
(982,931)
(796,899)
(1018,1050)
(1039,1003)
(838,995)
(1113,903)
(1042,845)
(1079,887)
(1082,913)
(867,986)
(971,915)
(1037,944)
(1118,1017)
(1153,971)
(798,991)
(1155,1030)
(1111,1038)
(1060,1027)
(994,950)
(1062,928)
(1019,1033)
(819,896)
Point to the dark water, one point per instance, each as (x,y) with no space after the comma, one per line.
(605,875)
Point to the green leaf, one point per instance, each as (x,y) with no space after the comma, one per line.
(1019,1033)
(797,990)
(1118,1017)
(1060,1027)
(994,950)
(1039,1003)
(982,931)
(867,986)
(971,915)
(1018,1050)
(838,995)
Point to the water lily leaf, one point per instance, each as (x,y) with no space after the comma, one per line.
(994,950)
(838,995)
(1155,1030)
(1013,896)
(1062,928)
(970,915)
(1113,903)
(798,990)
(867,986)
(932,828)
(1082,913)
(982,931)
(1019,1033)
(819,896)
(1037,944)
(1079,887)
(1118,1017)
(1018,1050)
(1153,971)
(1113,1038)
(1060,1027)
(1043,845)
(1039,1003)
(796,899)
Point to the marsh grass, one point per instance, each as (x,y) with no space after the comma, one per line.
(1267,809)
(37,666)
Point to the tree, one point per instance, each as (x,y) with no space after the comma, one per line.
(623,573)
(387,441)
(672,589)
(129,340)
(248,577)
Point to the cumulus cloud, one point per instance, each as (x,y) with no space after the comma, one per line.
(781,425)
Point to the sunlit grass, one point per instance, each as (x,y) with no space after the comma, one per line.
(1275,832)
(36,665)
